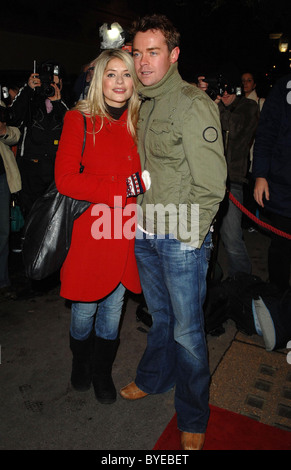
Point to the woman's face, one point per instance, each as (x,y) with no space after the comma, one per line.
(117,83)
(248,83)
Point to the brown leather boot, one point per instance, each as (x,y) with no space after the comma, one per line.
(132,392)
(192,440)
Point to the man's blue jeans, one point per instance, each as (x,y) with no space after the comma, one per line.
(173,278)
(232,235)
(107,312)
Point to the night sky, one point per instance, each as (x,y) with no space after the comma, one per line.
(213,33)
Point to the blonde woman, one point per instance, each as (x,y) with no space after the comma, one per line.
(101,264)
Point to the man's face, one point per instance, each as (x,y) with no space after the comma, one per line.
(152,58)
(227,99)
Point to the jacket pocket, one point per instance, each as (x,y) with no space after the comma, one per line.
(161,138)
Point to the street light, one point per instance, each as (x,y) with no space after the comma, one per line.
(112,36)
(283,44)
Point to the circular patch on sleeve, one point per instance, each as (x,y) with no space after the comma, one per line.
(210,134)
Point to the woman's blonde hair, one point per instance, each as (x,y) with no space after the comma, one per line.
(95,105)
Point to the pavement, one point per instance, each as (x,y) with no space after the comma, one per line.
(41,411)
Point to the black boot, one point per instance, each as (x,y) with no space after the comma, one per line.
(103,357)
(82,363)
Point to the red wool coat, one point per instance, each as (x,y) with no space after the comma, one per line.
(101,255)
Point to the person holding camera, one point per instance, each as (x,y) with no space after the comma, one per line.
(38,110)
(239,119)
(83,81)
(10,182)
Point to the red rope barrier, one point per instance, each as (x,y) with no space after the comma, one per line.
(256,220)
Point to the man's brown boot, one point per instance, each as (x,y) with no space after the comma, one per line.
(192,441)
(132,392)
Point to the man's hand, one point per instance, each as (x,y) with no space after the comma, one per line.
(204,86)
(261,190)
(201,83)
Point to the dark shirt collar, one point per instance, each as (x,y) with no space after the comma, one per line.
(116,113)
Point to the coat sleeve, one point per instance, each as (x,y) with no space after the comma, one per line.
(267,133)
(12,136)
(21,105)
(203,146)
(84,186)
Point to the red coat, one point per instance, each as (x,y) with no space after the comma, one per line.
(94,267)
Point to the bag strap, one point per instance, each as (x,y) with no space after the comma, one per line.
(84,143)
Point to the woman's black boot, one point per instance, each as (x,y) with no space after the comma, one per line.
(103,357)
(82,363)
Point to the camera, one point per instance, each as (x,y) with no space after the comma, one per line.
(46,75)
(218,85)
(5,92)
(5,115)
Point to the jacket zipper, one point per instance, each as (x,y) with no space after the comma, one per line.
(145,132)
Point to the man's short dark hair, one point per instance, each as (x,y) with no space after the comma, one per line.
(160,23)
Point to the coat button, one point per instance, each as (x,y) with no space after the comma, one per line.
(129,157)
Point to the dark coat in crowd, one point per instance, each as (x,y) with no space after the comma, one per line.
(239,122)
(272,151)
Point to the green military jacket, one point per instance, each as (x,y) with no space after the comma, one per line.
(180,144)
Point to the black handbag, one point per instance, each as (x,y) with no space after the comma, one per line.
(48,230)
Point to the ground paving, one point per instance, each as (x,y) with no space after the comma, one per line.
(41,411)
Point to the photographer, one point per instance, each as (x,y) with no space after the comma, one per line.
(38,110)
(83,81)
(10,182)
(239,119)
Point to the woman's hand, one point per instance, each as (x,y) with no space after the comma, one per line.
(57,95)
(34,81)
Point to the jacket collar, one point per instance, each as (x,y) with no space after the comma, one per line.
(169,81)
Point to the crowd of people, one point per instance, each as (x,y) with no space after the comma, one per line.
(152,141)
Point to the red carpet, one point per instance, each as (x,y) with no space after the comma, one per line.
(230,431)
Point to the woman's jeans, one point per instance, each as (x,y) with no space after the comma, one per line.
(107,311)
(232,235)
(4,230)
(173,278)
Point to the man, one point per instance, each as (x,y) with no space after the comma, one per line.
(38,110)
(272,173)
(180,145)
(83,81)
(239,119)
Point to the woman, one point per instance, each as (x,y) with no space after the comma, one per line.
(249,88)
(100,264)
(10,182)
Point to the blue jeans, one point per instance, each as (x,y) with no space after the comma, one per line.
(232,235)
(107,312)
(173,278)
(4,230)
